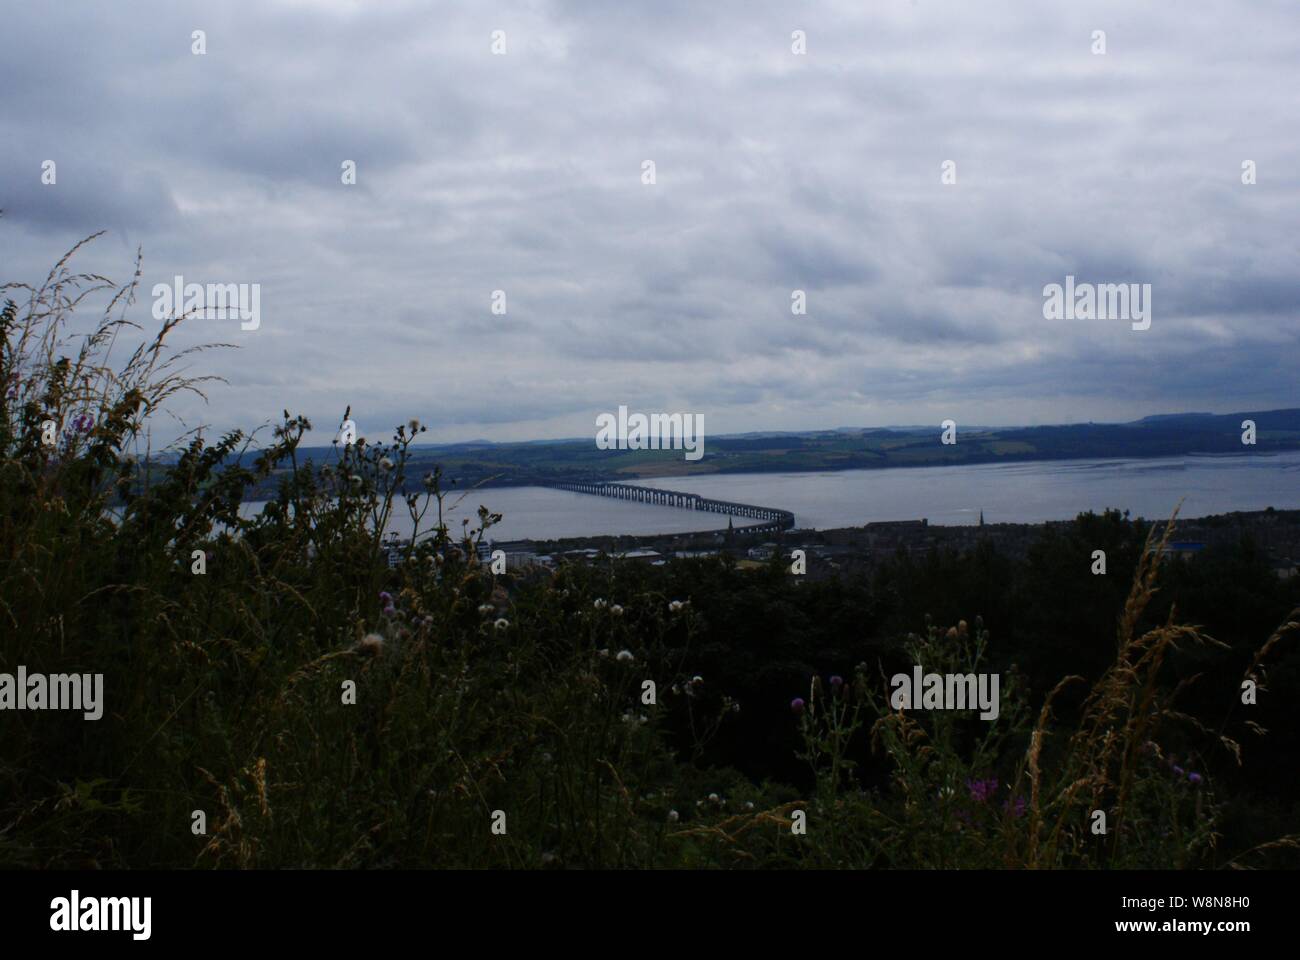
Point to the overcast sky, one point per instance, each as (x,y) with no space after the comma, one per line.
(774,172)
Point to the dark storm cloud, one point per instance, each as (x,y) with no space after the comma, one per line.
(775,173)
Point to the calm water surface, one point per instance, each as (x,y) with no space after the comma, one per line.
(1006,492)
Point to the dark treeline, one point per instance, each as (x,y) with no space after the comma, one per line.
(764,635)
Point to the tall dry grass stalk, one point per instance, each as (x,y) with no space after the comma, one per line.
(43,375)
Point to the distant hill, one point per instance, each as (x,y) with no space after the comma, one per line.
(546,461)
(1167,417)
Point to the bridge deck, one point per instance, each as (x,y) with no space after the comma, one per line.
(769,518)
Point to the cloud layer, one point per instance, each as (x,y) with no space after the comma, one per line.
(775,172)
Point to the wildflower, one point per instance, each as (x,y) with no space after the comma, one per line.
(486,608)
(600,604)
(604,652)
(696,680)
(1015,807)
(749,804)
(673,816)
(675,606)
(414,425)
(735,707)
(1179,770)
(1194,778)
(501,623)
(385,464)
(428,480)
(390,611)
(624,656)
(372,644)
(981,790)
(961,627)
(385,596)
(714,798)
(797,705)
(616,610)
(952,633)
(837,682)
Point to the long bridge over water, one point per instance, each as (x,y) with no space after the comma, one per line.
(770,519)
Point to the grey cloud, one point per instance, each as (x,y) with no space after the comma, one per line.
(775,172)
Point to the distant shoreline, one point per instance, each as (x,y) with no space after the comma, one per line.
(892,531)
(543,463)
(974,461)
(539,463)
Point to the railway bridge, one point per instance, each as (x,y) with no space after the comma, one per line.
(767,519)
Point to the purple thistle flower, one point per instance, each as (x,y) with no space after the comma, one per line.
(390,611)
(1194,778)
(981,790)
(837,681)
(1015,807)
(1179,770)
(796,706)
(385,596)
